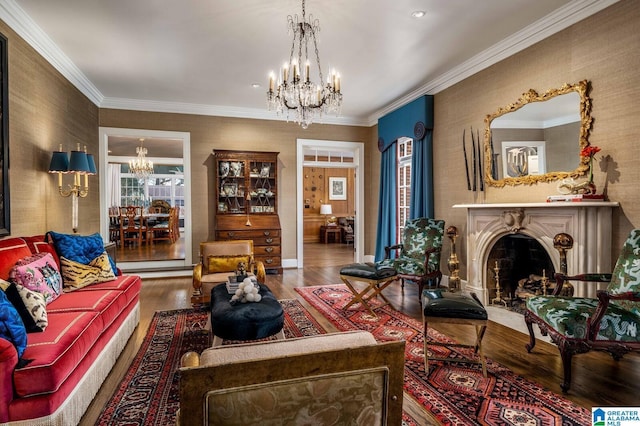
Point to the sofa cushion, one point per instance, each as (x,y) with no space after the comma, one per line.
(77,275)
(130,285)
(57,351)
(108,303)
(39,272)
(79,248)
(11,250)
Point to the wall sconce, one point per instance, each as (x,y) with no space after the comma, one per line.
(79,164)
(325,209)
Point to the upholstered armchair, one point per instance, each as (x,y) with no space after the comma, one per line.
(219,259)
(609,323)
(347,377)
(418,256)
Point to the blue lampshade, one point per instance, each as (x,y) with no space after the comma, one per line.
(59,162)
(92,164)
(79,162)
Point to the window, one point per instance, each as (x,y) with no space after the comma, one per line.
(167,183)
(403,192)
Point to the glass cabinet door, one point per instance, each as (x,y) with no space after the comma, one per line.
(231,186)
(263,186)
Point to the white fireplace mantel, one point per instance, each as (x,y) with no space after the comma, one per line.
(589,223)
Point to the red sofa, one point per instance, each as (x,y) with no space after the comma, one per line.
(87,330)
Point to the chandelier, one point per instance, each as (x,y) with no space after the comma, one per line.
(297,94)
(141,166)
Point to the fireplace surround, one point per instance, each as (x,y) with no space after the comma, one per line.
(589,223)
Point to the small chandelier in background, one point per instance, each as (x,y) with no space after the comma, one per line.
(305,98)
(141,166)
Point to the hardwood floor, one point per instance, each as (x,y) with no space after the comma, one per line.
(598,380)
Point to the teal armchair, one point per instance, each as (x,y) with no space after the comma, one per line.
(609,323)
(417,258)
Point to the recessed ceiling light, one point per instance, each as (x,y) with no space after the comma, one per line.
(418,13)
(255,85)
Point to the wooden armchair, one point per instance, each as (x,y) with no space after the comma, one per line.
(219,259)
(609,323)
(418,256)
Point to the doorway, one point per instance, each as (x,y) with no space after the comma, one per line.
(170,153)
(331,155)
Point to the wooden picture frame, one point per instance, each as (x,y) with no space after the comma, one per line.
(337,188)
(5,223)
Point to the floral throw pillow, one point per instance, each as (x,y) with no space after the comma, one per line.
(39,273)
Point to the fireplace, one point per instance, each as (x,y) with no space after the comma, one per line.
(589,223)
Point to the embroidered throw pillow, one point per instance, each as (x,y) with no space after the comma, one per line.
(11,291)
(79,248)
(39,273)
(226,263)
(36,306)
(76,275)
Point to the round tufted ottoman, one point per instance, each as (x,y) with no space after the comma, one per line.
(245,321)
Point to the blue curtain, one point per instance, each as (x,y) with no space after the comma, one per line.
(422,183)
(414,120)
(386,232)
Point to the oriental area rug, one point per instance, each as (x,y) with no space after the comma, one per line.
(454,393)
(148,394)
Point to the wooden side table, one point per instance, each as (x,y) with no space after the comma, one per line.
(325,231)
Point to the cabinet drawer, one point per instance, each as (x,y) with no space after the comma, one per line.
(266,241)
(266,250)
(248,234)
(269,261)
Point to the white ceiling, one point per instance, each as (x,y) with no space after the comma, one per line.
(202,56)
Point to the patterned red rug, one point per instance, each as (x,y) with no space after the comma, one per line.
(148,393)
(455,393)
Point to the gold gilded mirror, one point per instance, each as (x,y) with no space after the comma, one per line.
(539,137)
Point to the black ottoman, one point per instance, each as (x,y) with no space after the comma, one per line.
(377,279)
(245,321)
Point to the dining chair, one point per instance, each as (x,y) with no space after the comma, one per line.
(132,225)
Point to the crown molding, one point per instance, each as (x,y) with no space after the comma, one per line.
(555,22)
(214,110)
(26,28)
(560,19)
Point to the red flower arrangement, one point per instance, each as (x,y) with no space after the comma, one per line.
(590,151)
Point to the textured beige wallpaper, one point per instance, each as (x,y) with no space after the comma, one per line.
(604,49)
(209,133)
(47,110)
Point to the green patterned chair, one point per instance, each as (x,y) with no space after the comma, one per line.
(610,323)
(418,256)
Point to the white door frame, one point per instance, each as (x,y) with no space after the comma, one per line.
(357,148)
(104,133)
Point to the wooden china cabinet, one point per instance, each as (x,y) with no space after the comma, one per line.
(247,202)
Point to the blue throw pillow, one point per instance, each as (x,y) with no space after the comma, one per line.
(80,248)
(11,325)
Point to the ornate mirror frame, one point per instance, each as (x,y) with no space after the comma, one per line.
(582,88)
